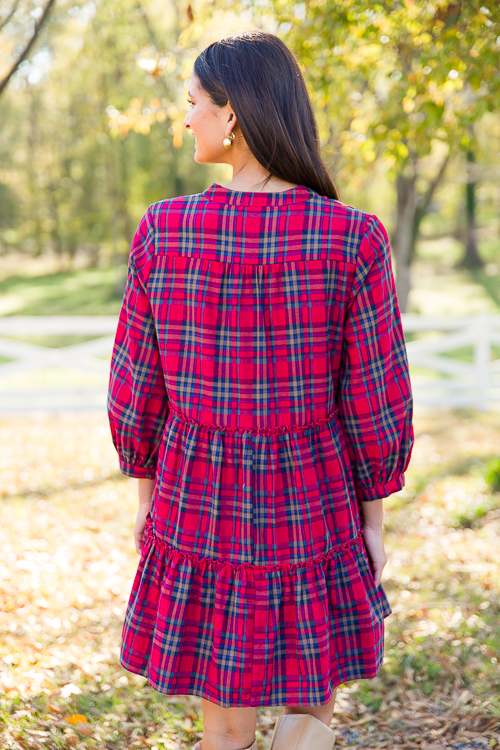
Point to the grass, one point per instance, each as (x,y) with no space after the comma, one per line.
(66,519)
(83,292)
(441,287)
(58,341)
(34,286)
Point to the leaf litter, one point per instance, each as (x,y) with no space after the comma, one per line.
(68,563)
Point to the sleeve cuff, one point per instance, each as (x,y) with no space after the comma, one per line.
(381,490)
(135,471)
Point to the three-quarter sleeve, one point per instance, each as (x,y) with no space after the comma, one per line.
(137,398)
(375,397)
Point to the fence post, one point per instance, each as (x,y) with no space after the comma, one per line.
(482,359)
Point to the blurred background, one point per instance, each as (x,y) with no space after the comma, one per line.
(92,101)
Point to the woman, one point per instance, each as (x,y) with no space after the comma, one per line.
(260,393)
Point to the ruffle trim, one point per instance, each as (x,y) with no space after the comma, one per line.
(195,558)
(256,430)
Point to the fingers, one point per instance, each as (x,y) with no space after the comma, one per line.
(377,574)
(138,543)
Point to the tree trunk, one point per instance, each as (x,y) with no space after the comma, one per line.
(471,259)
(109,163)
(54,210)
(32,173)
(411,209)
(128,230)
(403,239)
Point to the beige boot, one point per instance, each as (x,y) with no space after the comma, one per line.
(301,732)
(253,746)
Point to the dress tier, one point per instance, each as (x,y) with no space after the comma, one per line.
(259,375)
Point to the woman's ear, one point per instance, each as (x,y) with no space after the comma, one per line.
(231,118)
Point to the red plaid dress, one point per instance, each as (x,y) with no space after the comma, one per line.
(259,375)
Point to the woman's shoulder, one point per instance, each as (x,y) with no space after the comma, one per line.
(337,208)
(164,205)
(346,227)
(316,202)
(347,224)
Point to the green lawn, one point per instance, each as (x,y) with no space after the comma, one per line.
(32,287)
(84,292)
(440,287)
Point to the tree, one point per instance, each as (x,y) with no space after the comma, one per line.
(85,146)
(397,82)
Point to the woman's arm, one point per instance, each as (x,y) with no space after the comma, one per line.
(372,514)
(374,543)
(374,396)
(138,403)
(137,397)
(374,388)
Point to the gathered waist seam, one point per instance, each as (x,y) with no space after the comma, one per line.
(195,558)
(254,430)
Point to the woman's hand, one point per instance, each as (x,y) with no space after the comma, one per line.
(372,513)
(145,489)
(374,543)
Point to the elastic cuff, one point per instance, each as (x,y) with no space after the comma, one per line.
(381,490)
(138,472)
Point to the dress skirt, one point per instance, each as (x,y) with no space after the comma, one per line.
(286,627)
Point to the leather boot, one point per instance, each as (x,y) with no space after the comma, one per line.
(301,732)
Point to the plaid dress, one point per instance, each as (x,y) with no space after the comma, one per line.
(259,375)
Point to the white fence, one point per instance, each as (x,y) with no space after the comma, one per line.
(44,377)
(76,376)
(474,383)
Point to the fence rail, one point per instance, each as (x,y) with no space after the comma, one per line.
(44,377)
(75,376)
(474,383)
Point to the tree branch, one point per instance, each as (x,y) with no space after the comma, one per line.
(38,26)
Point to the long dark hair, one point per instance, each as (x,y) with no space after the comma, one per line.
(257,73)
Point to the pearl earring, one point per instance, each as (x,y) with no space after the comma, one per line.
(228,140)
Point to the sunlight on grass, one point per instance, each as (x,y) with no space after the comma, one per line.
(440,288)
(84,292)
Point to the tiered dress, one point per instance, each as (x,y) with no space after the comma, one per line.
(259,375)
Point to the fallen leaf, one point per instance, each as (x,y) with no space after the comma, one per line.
(443,729)
(76,719)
